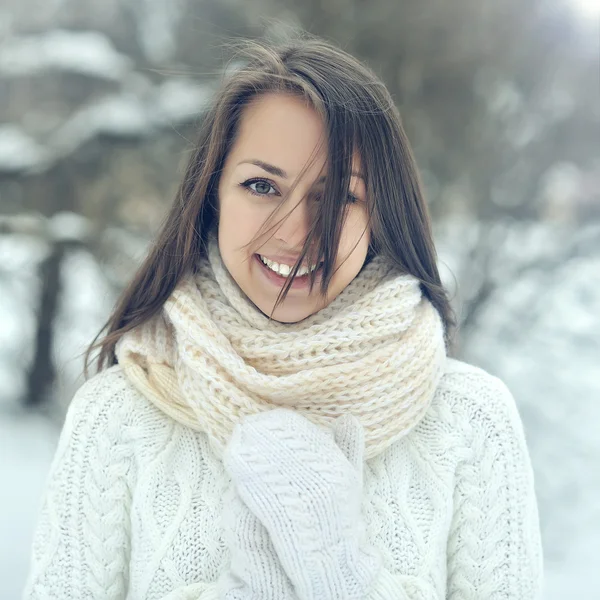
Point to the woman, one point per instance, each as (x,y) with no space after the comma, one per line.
(275,414)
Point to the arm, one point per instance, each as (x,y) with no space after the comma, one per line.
(494,546)
(82,537)
(254,572)
(81,541)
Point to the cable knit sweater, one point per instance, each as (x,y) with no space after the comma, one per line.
(133,501)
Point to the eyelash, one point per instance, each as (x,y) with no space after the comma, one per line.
(246,185)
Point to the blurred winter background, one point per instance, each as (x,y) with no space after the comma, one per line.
(99,104)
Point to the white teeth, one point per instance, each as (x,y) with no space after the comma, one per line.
(284,270)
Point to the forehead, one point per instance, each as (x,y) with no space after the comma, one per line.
(282,130)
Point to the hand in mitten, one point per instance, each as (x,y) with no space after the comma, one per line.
(305,486)
(255,571)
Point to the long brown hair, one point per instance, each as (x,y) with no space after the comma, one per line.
(359,115)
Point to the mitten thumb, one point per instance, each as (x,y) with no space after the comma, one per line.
(349,435)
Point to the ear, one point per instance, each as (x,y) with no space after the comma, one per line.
(349,435)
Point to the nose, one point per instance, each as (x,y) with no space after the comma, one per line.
(295,224)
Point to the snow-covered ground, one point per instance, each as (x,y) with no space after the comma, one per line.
(540,332)
(27,444)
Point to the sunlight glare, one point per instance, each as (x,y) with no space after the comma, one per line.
(588,8)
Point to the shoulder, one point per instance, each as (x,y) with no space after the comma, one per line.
(474,388)
(470,397)
(107,404)
(108,391)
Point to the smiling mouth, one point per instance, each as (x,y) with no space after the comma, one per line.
(300,281)
(284,270)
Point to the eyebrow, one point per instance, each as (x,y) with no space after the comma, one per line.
(278,172)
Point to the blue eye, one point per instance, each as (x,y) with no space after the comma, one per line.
(262,187)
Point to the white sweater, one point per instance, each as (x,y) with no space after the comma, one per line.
(133,501)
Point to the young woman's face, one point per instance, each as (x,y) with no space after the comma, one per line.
(278,136)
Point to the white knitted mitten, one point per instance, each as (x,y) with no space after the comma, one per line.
(255,572)
(305,485)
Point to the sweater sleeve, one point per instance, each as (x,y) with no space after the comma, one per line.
(81,540)
(494,547)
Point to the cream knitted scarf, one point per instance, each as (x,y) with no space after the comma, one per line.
(210,357)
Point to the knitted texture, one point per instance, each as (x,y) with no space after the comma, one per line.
(138,505)
(306,487)
(256,570)
(210,357)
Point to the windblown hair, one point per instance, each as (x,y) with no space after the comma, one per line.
(359,115)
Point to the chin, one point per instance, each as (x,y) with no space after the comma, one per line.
(286,312)
(287,316)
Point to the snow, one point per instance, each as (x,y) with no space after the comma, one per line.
(137,109)
(27,445)
(90,298)
(134,113)
(178,100)
(19,152)
(19,287)
(85,52)
(157,24)
(70,226)
(118,115)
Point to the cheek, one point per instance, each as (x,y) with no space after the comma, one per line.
(355,235)
(239,218)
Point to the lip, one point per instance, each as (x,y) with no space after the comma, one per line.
(299,283)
